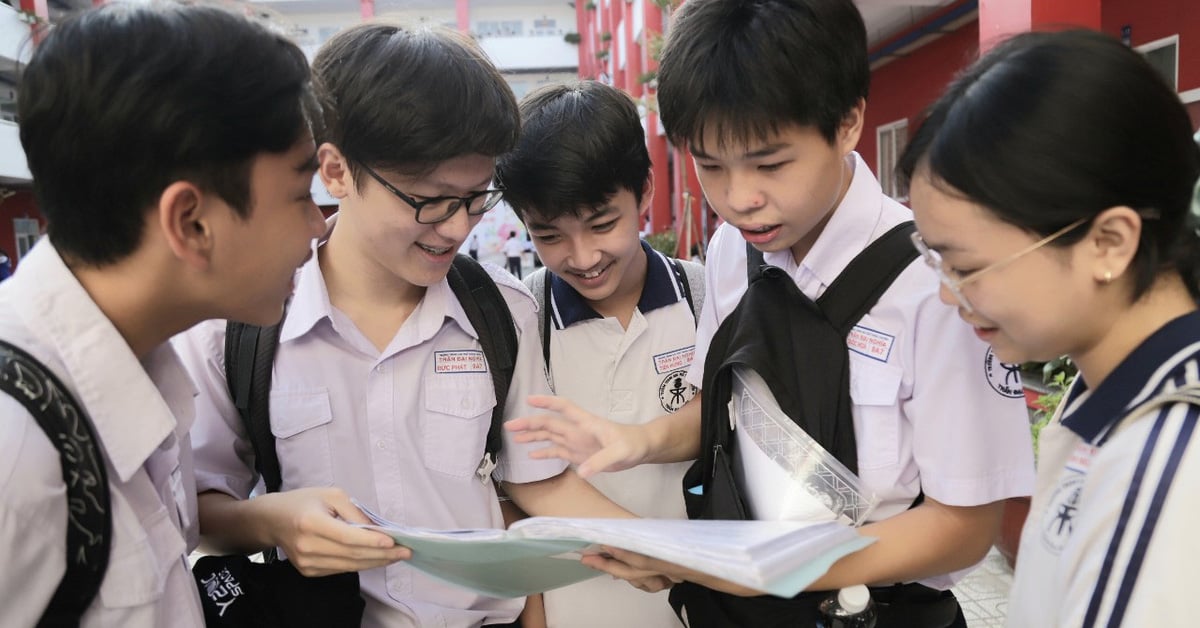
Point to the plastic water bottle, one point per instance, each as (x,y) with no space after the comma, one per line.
(849,608)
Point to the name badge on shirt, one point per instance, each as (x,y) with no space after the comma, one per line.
(463,361)
(1081,458)
(870,343)
(674,360)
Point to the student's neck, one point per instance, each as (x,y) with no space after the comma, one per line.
(137,302)
(1127,327)
(622,303)
(374,297)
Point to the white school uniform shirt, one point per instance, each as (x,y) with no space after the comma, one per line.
(629,375)
(402,431)
(1111,538)
(933,408)
(514,247)
(141,410)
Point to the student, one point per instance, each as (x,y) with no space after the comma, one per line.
(1053,233)
(175,180)
(769,97)
(617,316)
(369,399)
(513,249)
(473,246)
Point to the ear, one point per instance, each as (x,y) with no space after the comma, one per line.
(647,195)
(334,169)
(183,217)
(850,128)
(1113,242)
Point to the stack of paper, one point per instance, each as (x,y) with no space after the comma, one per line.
(542,553)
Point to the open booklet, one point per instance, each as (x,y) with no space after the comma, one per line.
(542,553)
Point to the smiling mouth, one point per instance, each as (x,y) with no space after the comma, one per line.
(592,274)
(434,250)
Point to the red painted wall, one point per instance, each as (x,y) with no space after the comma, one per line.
(904,87)
(19,205)
(1155,19)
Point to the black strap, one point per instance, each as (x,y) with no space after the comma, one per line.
(489,315)
(250,388)
(685,284)
(754,263)
(859,286)
(89,519)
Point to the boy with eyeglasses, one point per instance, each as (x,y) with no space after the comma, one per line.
(369,399)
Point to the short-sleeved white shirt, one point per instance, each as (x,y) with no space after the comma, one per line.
(1111,538)
(141,410)
(933,408)
(402,431)
(630,375)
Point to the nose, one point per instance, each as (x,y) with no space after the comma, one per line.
(583,253)
(744,195)
(953,297)
(457,226)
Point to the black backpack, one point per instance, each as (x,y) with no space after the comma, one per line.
(89,529)
(798,347)
(250,355)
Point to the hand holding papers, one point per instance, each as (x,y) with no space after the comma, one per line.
(542,553)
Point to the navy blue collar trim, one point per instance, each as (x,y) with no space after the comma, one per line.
(1109,403)
(661,289)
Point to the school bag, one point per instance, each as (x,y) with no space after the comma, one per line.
(89,529)
(689,274)
(798,347)
(282,596)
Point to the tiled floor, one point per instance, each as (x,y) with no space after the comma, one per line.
(984,593)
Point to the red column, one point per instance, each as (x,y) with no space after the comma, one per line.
(462,10)
(664,180)
(366,9)
(1000,18)
(582,24)
(37,8)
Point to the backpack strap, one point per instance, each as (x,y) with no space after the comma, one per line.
(249,359)
(859,286)
(489,315)
(89,525)
(691,278)
(754,263)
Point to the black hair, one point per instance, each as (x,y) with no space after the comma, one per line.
(1051,128)
(580,144)
(752,67)
(405,99)
(120,101)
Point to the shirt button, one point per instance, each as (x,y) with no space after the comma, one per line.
(464,403)
(380,444)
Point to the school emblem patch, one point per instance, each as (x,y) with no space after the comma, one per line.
(1003,377)
(674,391)
(1058,521)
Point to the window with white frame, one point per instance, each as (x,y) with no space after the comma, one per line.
(26,232)
(1163,54)
(891,139)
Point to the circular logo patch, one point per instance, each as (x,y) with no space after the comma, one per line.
(674,391)
(1058,521)
(1004,378)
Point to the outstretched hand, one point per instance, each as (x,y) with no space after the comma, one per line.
(591,443)
(312,525)
(653,575)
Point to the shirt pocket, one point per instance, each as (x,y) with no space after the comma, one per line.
(143,554)
(875,392)
(454,423)
(300,422)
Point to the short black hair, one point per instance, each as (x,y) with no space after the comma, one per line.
(1050,128)
(405,99)
(752,67)
(120,101)
(580,144)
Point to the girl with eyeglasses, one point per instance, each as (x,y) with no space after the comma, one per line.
(1053,190)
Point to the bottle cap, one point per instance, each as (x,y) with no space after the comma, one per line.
(854,599)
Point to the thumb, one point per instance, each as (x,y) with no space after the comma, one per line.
(343,507)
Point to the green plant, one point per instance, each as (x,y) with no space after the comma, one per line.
(646,77)
(654,44)
(606,36)
(665,242)
(571,38)
(590,6)
(1057,375)
(666,5)
(602,54)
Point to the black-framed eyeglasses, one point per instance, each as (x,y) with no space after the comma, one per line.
(440,208)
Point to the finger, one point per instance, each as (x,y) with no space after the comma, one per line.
(607,459)
(562,453)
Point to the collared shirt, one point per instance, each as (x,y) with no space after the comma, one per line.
(933,408)
(400,430)
(1111,533)
(141,411)
(630,375)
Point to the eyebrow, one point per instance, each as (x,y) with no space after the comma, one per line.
(765,151)
(602,212)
